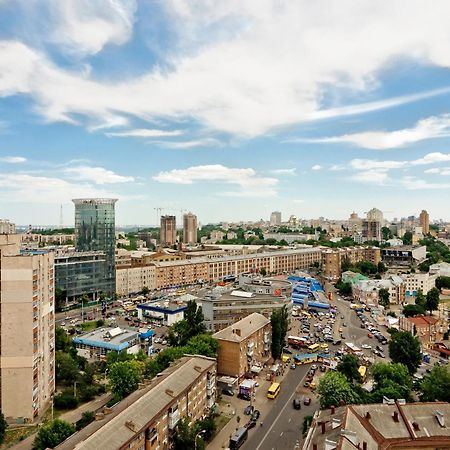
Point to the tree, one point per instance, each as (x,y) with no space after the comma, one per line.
(420,299)
(52,434)
(349,366)
(407,238)
(63,341)
(334,389)
(145,290)
(67,369)
(3,427)
(185,436)
(443,282)
(86,418)
(263,271)
(280,322)
(392,381)
(60,298)
(404,348)
(384,295)
(203,344)
(436,385)
(343,288)
(65,400)
(413,310)
(367,267)
(432,300)
(346,264)
(190,326)
(387,234)
(124,377)
(381,267)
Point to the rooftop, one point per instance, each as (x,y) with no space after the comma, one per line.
(243,328)
(423,320)
(110,338)
(114,432)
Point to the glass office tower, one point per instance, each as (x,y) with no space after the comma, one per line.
(95,231)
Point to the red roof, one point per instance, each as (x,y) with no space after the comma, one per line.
(423,320)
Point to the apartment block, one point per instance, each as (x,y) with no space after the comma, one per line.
(176,273)
(404,255)
(418,281)
(189,228)
(186,389)
(7,227)
(427,329)
(244,344)
(367,291)
(332,259)
(27,331)
(168,231)
(131,280)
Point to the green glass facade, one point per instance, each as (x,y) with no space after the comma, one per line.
(95,231)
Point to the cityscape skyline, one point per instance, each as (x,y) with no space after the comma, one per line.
(88,114)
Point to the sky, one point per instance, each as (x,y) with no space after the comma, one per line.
(230,109)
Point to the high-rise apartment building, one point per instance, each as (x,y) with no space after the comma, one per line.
(189,228)
(168,231)
(95,231)
(6,227)
(372,224)
(275,218)
(424,219)
(27,330)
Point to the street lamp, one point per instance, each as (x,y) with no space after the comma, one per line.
(196,436)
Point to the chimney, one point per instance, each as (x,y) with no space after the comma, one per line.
(323,426)
(237,331)
(170,392)
(395,416)
(131,426)
(368,416)
(333,409)
(415,426)
(364,445)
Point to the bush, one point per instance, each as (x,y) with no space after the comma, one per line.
(100,323)
(86,418)
(52,434)
(65,400)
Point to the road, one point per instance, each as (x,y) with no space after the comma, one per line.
(282,426)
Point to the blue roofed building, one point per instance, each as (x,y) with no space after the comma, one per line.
(164,311)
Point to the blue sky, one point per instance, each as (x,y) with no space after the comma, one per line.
(228,109)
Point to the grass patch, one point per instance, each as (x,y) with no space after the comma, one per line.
(15,435)
(221,421)
(88,326)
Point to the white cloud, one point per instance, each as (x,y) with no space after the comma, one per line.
(415,184)
(145,132)
(206,142)
(316,167)
(429,128)
(370,164)
(13,159)
(431,158)
(97,175)
(86,26)
(291,171)
(250,183)
(337,167)
(439,170)
(25,188)
(227,83)
(371,176)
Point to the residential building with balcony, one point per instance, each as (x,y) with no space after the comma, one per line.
(27,331)
(427,329)
(418,281)
(186,389)
(243,345)
(367,291)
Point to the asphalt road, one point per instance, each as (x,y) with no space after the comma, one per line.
(282,427)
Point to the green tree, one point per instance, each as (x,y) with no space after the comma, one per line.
(3,427)
(420,299)
(203,344)
(114,356)
(60,298)
(384,295)
(407,238)
(343,288)
(63,341)
(145,290)
(185,435)
(334,389)
(443,282)
(404,348)
(436,385)
(367,267)
(86,418)
(413,310)
(432,300)
(280,323)
(191,325)
(349,366)
(387,234)
(392,381)
(263,271)
(381,267)
(67,369)
(124,377)
(52,434)
(346,264)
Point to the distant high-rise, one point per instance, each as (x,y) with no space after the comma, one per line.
(95,224)
(189,228)
(275,218)
(6,227)
(168,231)
(371,226)
(27,330)
(424,219)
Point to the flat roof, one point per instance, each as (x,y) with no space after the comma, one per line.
(245,327)
(107,337)
(164,307)
(174,381)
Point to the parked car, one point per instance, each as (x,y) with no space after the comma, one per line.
(296,403)
(248,410)
(293,366)
(244,396)
(255,415)
(228,391)
(306,401)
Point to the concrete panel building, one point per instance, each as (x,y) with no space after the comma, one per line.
(131,280)
(275,218)
(27,331)
(190,228)
(244,344)
(186,389)
(404,255)
(424,220)
(168,231)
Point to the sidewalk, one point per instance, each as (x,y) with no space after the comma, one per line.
(69,416)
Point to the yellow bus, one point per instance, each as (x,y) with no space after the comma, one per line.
(274,390)
(362,372)
(314,347)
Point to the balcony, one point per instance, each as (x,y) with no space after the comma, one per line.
(266,337)
(210,384)
(174,418)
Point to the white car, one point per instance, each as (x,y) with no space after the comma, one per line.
(366,346)
(63,324)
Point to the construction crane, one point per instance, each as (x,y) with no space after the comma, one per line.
(158,210)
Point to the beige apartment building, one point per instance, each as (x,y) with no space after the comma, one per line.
(243,345)
(177,273)
(424,220)
(332,259)
(131,280)
(189,228)
(186,389)
(27,330)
